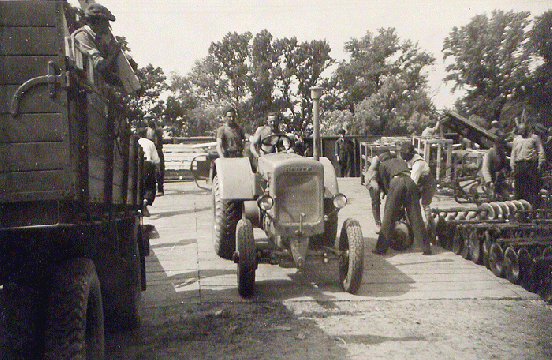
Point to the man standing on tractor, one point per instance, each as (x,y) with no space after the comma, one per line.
(230,136)
(268,138)
(401,194)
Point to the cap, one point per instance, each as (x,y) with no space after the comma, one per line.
(98,11)
(341,132)
(494,122)
(148,116)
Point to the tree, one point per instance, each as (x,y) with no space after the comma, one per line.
(540,90)
(231,57)
(489,61)
(148,99)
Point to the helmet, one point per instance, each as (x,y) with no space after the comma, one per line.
(96,10)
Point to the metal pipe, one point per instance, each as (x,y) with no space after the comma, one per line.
(316,93)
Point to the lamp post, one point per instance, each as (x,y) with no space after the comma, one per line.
(316,93)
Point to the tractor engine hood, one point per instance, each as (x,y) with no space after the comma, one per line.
(270,164)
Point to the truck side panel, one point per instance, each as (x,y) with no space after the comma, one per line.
(34,146)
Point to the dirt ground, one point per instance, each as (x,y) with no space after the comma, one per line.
(419,329)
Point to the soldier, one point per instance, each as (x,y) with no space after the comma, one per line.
(96,40)
(230,136)
(268,138)
(402,194)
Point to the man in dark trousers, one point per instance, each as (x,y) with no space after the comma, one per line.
(343,152)
(155,134)
(401,193)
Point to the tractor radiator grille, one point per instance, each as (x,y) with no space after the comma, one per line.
(296,194)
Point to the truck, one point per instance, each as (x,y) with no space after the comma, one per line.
(72,243)
(296,201)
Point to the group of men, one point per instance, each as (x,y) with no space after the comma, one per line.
(526,163)
(408,186)
(267,138)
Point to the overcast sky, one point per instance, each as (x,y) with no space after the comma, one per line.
(173,34)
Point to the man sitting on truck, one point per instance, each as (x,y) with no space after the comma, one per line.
(268,138)
(151,166)
(96,40)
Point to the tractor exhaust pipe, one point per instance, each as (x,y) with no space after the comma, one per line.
(316,93)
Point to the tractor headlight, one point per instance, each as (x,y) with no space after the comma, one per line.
(265,202)
(339,201)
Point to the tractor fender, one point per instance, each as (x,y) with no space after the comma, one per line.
(330,180)
(236,178)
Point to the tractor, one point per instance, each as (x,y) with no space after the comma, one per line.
(296,201)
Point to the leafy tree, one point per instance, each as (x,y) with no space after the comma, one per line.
(153,81)
(540,90)
(230,56)
(489,61)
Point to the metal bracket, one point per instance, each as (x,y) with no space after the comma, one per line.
(52,80)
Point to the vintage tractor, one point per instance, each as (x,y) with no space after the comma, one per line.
(296,201)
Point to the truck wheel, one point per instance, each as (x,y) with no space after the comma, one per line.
(351,261)
(226,215)
(458,240)
(247,258)
(74,314)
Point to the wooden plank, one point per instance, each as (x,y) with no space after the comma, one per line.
(31,41)
(18,69)
(32,128)
(36,100)
(34,185)
(33,156)
(30,13)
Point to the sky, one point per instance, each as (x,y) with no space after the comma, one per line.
(174,34)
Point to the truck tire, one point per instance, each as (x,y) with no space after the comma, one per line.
(226,215)
(496,260)
(247,258)
(351,260)
(74,313)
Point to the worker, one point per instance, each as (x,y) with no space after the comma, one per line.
(527,159)
(230,136)
(151,166)
(374,189)
(423,177)
(402,194)
(96,40)
(343,154)
(494,168)
(269,139)
(155,134)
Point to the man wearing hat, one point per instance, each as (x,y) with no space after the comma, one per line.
(343,150)
(495,129)
(96,40)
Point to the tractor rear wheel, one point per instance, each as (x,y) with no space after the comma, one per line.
(226,214)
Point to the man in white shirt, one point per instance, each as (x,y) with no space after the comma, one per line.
(151,164)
